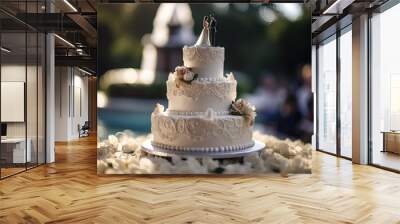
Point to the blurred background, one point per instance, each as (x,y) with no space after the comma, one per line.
(267,47)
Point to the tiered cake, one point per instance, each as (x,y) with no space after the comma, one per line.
(202,114)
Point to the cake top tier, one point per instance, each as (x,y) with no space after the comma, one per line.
(203,58)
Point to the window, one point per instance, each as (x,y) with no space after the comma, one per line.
(345,43)
(327,95)
(22,101)
(385,89)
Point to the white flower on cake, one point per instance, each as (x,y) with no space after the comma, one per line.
(245,109)
(184,74)
(189,76)
(230,77)
(158,109)
(180,71)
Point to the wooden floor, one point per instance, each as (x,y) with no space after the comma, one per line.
(387,159)
(69,191)
(10,171)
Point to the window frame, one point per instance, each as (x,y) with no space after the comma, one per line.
(342,26)
(378,10)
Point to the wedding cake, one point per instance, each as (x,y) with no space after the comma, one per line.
(203,114)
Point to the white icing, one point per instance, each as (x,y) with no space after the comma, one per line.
(227,78)
(211,79)
(195,113)
(210,114)
(226,132)
(201,95)
(207,62)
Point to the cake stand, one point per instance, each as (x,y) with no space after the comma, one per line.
(151,149)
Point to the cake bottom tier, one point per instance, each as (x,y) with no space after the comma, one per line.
(200,133)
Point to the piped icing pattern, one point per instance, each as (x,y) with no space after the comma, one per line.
(203,54)
(200,131)
(229,148)
(195,113)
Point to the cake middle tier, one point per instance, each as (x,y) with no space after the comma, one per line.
(201,94)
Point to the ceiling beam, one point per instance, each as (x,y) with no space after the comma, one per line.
(79,61)
(337,7)
(84,24)
(201,1)
(44,22)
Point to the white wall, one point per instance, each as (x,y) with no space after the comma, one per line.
(71,94)
(12,73)
(33,126)
(62,81)
(12,101)
(16,73)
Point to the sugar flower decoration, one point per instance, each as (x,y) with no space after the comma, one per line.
(185,75)
(245,109)
(189,76)
(230,77)
(158,109)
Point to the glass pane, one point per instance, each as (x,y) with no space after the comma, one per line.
(13,86)
(31,87)
(385,84)
(41,98)
(327,96)
(346,94)
(31,97)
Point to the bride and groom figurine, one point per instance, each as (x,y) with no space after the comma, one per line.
(207,36)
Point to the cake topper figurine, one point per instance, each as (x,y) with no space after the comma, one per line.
(205,21)
(213,29)
(204,38)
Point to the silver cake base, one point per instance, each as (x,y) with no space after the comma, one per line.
(149,148)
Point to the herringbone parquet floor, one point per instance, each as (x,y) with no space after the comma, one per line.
(69,191)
